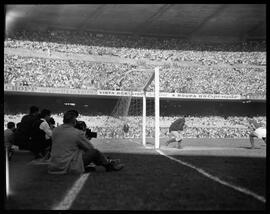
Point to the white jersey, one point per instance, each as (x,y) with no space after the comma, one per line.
(260,132)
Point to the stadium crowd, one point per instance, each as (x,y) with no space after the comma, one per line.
(198,127)
(46,72)
(249,78)
(138,47)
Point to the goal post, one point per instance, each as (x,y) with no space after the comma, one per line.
(157,144)
(144,119)
(140,111)
(155,77)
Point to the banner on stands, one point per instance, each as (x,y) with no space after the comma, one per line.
(168,95)
(118,93)
(50,90)
(255,97)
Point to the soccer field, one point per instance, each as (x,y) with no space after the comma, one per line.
(151,180)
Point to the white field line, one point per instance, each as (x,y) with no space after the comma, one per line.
(7,173)
(216,179)
(196,148)
(200,148)
(66,203)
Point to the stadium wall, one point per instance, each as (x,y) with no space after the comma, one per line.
(24,90)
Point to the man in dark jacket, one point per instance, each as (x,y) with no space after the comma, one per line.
(41,135)
(23,132)
(175,131)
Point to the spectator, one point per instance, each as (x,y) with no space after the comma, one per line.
(23,131)
(9,139)
(41,135)
(51,123)
(72,152)
(125,129)
(74,111)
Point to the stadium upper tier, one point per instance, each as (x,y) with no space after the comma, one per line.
(60,73)
(149,48)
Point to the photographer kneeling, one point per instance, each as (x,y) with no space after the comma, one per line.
(71,151)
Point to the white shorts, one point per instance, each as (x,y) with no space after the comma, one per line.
(260,132)
(177,135)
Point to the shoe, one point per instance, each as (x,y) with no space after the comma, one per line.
(39,161)
(114,167)
(89,169)
(91,165)
(114,161)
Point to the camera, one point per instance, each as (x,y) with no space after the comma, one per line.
(89,134)
(81,125)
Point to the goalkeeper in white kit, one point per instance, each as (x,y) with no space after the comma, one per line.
(258,131)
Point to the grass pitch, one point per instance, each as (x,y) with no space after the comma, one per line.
(149,180)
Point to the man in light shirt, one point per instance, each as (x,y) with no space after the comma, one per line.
(72,152)
(258,131)
(41,136)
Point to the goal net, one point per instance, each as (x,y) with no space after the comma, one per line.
(136,115)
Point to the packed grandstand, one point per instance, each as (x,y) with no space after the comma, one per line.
(187,67)
(241,67)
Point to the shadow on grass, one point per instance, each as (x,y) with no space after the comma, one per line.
(31,187)
(148,182)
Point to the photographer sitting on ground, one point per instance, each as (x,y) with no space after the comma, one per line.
(72,152)
(81,125)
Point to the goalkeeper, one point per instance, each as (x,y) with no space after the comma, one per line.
(175,130)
